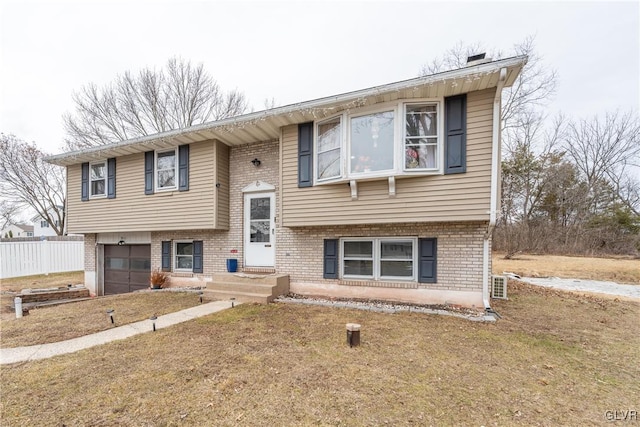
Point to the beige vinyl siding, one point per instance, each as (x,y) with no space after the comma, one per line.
(222,190)
(132,210)
(458,197)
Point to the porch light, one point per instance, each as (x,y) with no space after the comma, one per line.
(110,314)
(256,162)
(153,321)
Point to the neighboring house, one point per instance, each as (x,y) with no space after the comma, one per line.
(17,230)
(42,228)
(386,193)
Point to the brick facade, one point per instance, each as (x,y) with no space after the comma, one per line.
(459,262)
(90,252)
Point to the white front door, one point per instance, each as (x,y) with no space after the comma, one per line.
(259,230)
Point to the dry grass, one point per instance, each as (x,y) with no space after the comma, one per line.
(554,359)
(71,320)
(16,284)
(618,270)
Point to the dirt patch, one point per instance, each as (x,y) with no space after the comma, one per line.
(619,270)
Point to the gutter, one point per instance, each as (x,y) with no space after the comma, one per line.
(495,173)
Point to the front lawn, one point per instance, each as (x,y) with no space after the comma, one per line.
(75,319)
(555,358)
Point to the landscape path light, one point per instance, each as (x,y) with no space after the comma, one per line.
(233,300)
(153,321)
(110,314)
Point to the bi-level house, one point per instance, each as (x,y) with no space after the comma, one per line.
(389,192)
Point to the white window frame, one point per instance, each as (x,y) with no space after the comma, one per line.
(384,172)
(399,109)
(156,170)
(377,258)
(91,181)
(316,151)
(44,223)
(174,257)
(439,137)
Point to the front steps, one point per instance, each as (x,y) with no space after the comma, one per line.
(248,287)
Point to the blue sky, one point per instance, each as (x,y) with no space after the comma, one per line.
(296,51)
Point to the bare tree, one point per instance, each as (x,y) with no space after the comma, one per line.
(178,96)
(534,87)
(27,180)
(603,149)
(8,211)
(456,57)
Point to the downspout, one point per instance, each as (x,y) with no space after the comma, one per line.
(495,173)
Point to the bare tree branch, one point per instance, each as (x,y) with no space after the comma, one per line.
(603,149)
(8,211)
(178,96)
(27,180)
(534,87)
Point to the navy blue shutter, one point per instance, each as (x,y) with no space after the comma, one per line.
(183,168)
(197,256)
(455,147)
(111,178)
(166,255)
(84,190)
(427,260)
(305,154)
(330,259)
(149,159)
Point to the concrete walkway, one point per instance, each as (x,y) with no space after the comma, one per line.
(43,351)
(585,285)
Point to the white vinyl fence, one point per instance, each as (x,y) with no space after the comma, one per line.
(26,258)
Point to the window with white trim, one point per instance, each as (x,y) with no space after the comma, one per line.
(401,139)
(165,170)
(98,179)
(388,258)
(421,137)
(329,149)
(44,224)
(371,139)
(183,256)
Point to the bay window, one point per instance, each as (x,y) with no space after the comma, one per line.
(403,139)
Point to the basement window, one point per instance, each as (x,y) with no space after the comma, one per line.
(386,258)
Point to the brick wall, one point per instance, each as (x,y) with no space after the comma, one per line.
(89,252)
(244,173)
(299,251)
